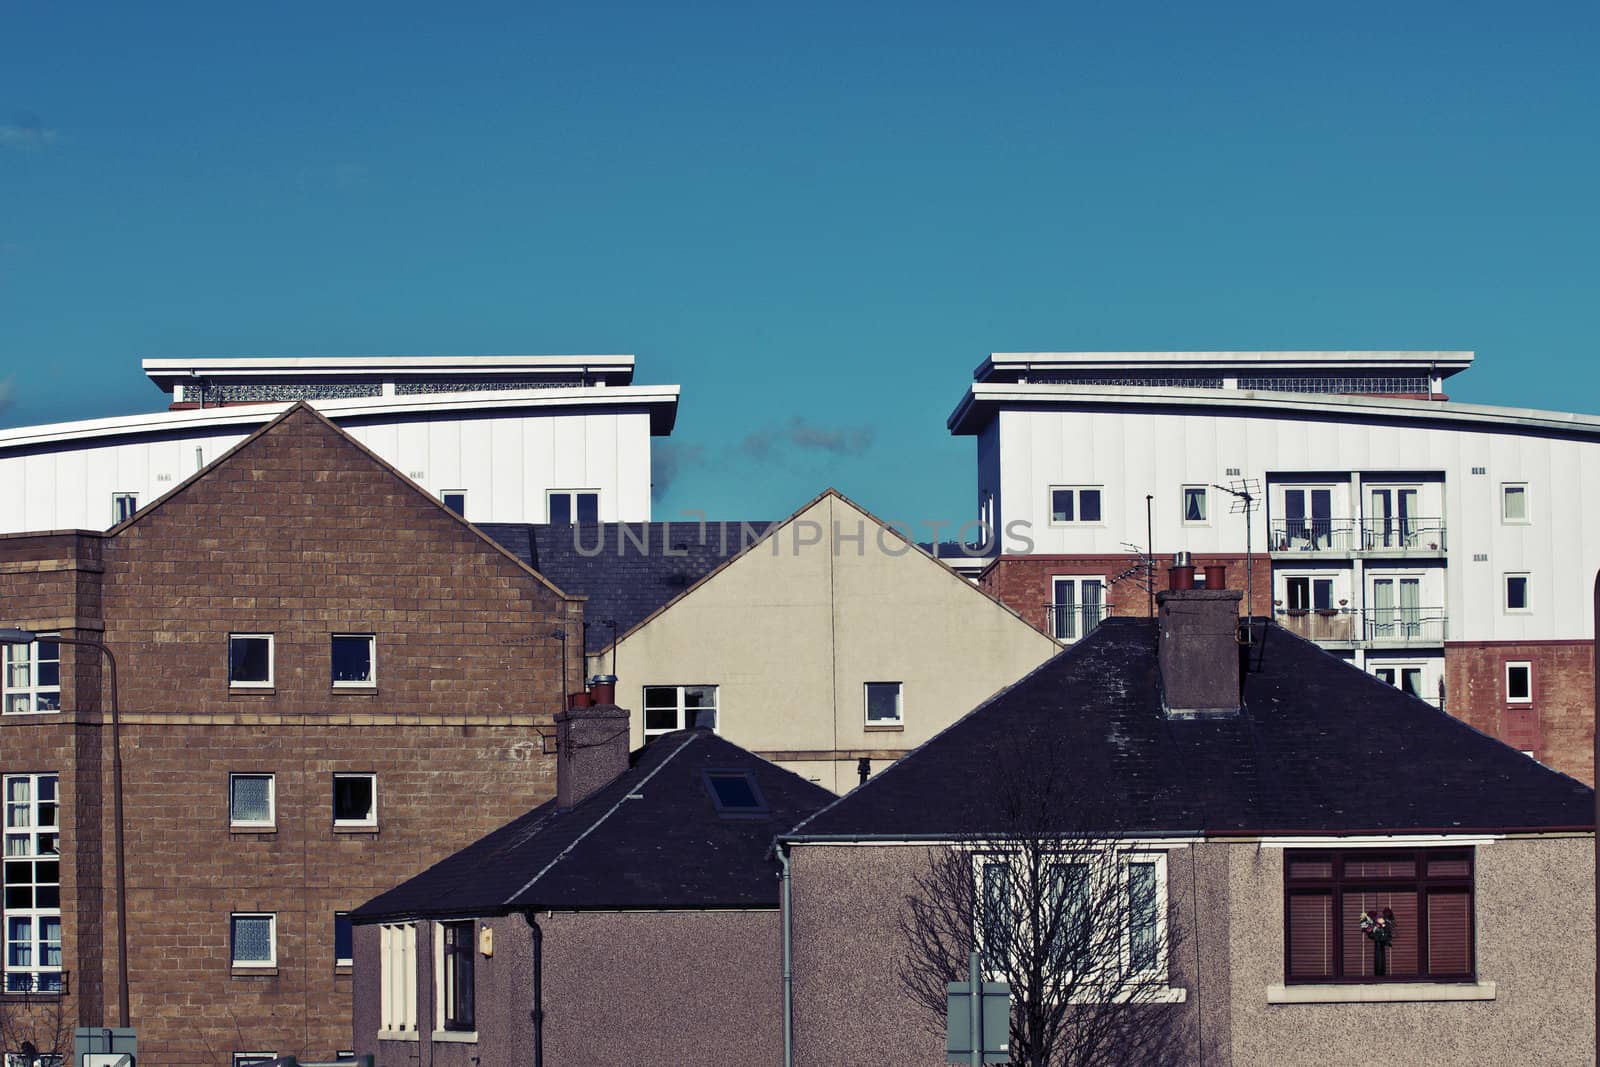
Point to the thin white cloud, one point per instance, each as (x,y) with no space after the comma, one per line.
(27,133)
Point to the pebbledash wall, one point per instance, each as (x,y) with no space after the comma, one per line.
(1535,993)
(1138,425)
(300,533)
(667,981)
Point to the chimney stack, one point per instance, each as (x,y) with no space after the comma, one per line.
(591,750)
(1198,650)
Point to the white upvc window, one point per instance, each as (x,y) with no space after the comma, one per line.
(251,1059)
(355,800)
(1518,594)
(43,1059)
(885,703)
(31,681)
(397,984)
(679,707)
(353,661)
(566,506)
(1088,883)
(1514,503)
(1077,605)
(1196,502)
(455,500)
(454,987)
(1519,682)
(250,661)
(1076,505)
(32,883)
(253,937)
(252,800)
(1406,677)
(123,505)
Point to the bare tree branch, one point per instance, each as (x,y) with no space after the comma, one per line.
(1064,907)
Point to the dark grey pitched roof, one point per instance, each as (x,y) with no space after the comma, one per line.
(627,570)
(1320,747)
(653,838)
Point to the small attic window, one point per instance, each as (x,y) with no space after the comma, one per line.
(735,793)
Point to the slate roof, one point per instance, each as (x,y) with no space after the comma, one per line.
(653,838)
(623,581)
(1320,747)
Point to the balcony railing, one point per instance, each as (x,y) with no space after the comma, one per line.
(1336,627)
(1405,626)
(1069,622)
(1408,536)
(1400,536)
(1313,535)
(1391,627)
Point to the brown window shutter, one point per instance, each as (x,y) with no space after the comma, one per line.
(1311,935)
(1449,933)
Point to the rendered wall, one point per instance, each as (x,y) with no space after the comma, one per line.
(792,630)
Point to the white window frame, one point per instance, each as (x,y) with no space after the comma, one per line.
(1311,578)
(1519,664)
(248,1059)
(397,983)
(118,513)
(44,1059)
(370,820)
(26,657)
(1077,581)
(444,498)
(1527,592)
(272,658)
(371,681)
(272,941)
(899,704)
(271,820)
(1397,667)
(439,1031)
(683,712)
(1077,492)
(1130,854)
(1183,504)
(29,839)
(572,502)
(338,960)
(1505,494)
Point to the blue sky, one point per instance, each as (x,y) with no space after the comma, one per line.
(823,212)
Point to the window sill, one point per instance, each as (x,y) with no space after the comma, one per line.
(462,1037)
(236,690)
(240,971)
(354,828)
(397,1035)
(344,968)
(884,727)
(1380,992)
(354,690)
(252,829)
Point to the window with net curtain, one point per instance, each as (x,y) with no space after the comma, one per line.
(1429,893)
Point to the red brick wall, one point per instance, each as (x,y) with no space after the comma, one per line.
(1557,727)
(300,533)
(1023,582)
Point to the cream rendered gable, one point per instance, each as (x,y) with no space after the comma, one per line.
(791,631)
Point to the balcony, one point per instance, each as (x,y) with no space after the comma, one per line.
(1407,538)
(1325,627)
(1350,627)
(1312,536)
(1392,538)
(1069,622)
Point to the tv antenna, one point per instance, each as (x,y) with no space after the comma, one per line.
(1246,493)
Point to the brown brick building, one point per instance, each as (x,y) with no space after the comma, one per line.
(327,682)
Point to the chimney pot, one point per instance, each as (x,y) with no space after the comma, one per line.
(603,688)
(1216,575)
(1180,577)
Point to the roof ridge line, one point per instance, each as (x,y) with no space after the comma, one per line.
(512,899)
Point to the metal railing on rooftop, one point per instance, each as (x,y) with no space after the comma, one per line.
(1069,622)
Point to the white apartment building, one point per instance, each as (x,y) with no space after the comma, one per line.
(497,438)
(1447,548)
